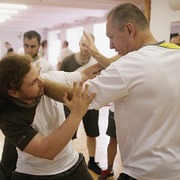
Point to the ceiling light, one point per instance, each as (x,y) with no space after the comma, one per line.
(4,17)
(3,11)
(12,6)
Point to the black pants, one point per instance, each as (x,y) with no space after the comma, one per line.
(123,176)
(77,172)
(8,160)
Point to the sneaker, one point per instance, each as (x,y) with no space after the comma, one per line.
(94,167)
(107,174)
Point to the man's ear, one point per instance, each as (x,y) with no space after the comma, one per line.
(130,29)
(13,93)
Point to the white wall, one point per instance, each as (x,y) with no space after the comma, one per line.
(102,41)
(12,37)
(53,47)
(160,20)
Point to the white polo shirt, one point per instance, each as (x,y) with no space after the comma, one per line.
(145,86)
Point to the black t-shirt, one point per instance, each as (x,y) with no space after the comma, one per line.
(69,63)
(15,123)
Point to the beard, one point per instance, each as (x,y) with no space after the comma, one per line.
(31,98)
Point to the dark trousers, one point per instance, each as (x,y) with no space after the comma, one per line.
(8,160)
(77,172)
(123,176)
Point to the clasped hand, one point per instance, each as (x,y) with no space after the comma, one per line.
(80,100)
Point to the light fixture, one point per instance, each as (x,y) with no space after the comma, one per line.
(12,6)
(4,17)
(9,9)
(4,11)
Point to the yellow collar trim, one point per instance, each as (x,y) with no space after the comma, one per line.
(169,45)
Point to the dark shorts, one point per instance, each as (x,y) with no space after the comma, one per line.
(90,121)
(111,129)
(78,171)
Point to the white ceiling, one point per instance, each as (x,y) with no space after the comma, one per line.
(52,14)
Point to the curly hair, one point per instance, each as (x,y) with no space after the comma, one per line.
(13,69)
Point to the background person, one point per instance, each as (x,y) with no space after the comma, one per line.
(76,62)
(65,51)
(175,40)
(9,48)
(43,49)
(32,42)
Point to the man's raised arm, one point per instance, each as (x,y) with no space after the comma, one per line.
(101,59)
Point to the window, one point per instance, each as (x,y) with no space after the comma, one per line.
(73,37)
(54,47)
(102,41)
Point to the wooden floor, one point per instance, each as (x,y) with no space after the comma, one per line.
(102,142)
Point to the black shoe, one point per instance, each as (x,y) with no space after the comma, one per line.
(94,167)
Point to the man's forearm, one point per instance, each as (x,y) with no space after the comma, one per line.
(104,61)
(56,90)
(91,72)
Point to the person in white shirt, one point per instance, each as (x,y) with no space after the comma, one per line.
(144,86)
(32,43)
(65,51)
(43,50)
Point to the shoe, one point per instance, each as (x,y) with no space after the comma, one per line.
(107,174)
(94,167)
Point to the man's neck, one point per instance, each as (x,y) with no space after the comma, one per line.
(82,60)
(35,58)
(27,104)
